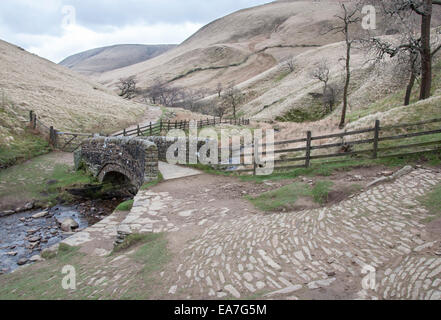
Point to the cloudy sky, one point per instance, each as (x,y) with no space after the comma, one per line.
(55,29)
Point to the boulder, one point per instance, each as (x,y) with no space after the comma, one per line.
(69,224)
(7,213)
(36,258)
(22,261)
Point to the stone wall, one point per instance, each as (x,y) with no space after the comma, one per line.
(135,158)
(164,143)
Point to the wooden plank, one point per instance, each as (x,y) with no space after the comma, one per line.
(343,134)
(410,135)
(291,159)
(414,145)
(409,153)
(340,144)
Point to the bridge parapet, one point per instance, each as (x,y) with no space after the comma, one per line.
(135,159)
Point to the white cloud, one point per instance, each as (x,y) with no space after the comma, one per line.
(76,38)
(41,28)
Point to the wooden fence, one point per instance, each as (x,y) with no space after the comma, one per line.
(68,141)
(162,127)
(287,158)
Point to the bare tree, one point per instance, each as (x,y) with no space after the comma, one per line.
(219,89)
(127,86)
(220,109)
(290,62)
(410,50)
(321,73)
(348,17)
(404,10)
(232,98)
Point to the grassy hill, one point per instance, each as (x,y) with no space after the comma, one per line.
(99,60)
(59,96)
(239,46)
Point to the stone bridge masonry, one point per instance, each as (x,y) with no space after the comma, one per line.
(134,158)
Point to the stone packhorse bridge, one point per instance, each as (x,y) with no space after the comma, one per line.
(119,159)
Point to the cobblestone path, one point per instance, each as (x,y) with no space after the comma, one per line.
(319,253)
(225,248)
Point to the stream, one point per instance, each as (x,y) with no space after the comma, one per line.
(23,237)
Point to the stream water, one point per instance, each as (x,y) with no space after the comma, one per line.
(22,236)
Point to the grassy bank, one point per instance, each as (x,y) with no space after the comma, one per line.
(287,196)
(42,179)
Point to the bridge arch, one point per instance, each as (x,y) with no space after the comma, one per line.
(131,159)
(116,174)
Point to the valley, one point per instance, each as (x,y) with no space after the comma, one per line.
(341,131)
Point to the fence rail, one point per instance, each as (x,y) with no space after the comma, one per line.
(162,127)
(69,141)
(288,159)
(310,151)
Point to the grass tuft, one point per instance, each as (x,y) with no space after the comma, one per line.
(125,206)
(432,201)
(321,190)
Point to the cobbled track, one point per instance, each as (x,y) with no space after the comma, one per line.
(290,255)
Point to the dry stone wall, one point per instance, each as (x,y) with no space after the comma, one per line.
(135,158)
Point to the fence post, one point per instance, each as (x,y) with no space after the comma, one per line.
(376,137)
(31,116)
(151,129)
(51,135)
(124,133)
(139,131)
(34,124)
(255,155)
(308,149)
(55,138)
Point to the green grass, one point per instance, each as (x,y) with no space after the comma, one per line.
(286,196)
(43,280)
(130,241)
(151,184)
(24,147)
(153,255)
(125,206)
(396,99)
(321,191)
(432,202)
(326,169)
(282,76)
(40,179)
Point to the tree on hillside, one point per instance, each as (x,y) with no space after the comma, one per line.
(418,44)
(348,17)
(127,87)
(232,98)
(219,89)
(322,74)
(290,62)
(220,109)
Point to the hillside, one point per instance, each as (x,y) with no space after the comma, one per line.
(239,46)
(58,95)
(249,48)
(99,60)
